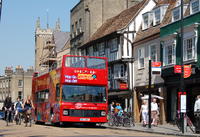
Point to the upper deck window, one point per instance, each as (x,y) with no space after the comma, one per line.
(96,63)
(75,62)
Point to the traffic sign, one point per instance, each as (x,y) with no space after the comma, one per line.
(156,68)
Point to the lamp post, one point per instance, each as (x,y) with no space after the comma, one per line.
(23,84)
(1,1)
(149,100)
(182,88)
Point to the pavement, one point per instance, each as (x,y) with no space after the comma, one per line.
(166,129)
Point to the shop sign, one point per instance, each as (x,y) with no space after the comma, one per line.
(177,69)
(183,103)
(123,86)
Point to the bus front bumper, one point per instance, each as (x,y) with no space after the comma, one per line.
(84,119)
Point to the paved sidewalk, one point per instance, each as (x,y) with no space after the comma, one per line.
(167,129)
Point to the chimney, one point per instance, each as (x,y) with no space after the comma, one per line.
(30,70)
(8,71)
(19,70)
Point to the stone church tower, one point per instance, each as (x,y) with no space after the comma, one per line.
(44,46)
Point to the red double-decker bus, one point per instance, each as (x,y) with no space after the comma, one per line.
(75,92)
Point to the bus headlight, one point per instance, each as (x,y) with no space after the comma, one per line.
(65,112)
(103,113)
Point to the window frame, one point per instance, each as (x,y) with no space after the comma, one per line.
(20,83)
(165,60)
(142,56)
(101,48)
(145,26)
(150,49)
(179,12)
(185,51)
(18,94)
(191,10)
(113,44)
(154,15)
(119,71)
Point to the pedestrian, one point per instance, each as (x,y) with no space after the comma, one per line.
(7,107)
(197,104)
(112,107)
(144,112)
(197,114)
(154,112)
(17,107)
(118,109)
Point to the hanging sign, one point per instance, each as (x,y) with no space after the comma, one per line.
(156,68)
(123,86)
(177,69)
(187,71)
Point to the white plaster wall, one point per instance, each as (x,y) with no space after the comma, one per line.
(142,75)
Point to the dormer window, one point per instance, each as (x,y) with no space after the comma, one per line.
(157,17)
(194,6)
(146,20)
(176,14)
(158,14)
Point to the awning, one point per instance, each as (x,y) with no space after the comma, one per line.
(118,93)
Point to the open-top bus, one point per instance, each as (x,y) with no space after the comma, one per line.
(75,92)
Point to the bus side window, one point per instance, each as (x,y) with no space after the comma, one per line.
(46,95)
(57,92)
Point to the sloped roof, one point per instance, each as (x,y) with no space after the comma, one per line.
(118,22)
(60,39)
(142,34)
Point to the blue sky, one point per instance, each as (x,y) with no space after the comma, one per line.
(17,27)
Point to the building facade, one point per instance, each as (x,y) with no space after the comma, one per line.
(17,83)
(171,55)
(88,15)
(147,47)
(114,40)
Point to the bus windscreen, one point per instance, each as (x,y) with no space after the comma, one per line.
(77,93)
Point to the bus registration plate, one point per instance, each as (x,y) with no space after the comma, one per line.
(84,119)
